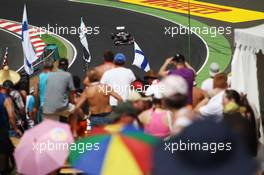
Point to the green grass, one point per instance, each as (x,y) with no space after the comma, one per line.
(219,47)
(48,39)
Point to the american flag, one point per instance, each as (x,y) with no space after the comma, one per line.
(5,62)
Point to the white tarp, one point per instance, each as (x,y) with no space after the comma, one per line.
(248,43)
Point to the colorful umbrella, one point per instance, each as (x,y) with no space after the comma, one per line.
(43,148)
(115,150)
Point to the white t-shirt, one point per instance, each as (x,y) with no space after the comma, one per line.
(183,120)
(119,79)
(207,86)
(214,107)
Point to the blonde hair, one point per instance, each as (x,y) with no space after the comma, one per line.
(93,75)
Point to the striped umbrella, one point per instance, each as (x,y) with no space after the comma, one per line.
(114,150)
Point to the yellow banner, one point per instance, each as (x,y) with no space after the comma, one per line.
(202,9)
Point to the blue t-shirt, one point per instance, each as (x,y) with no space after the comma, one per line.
(30,103)
(43,77)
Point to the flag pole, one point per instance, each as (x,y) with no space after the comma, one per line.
(5,61)
(85,67)
(86,52)
(189,32)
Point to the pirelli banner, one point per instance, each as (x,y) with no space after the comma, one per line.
(202,9)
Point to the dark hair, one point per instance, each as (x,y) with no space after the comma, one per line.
(233,95)
(120,64)
(93,75)
(63,64)
(249,114)
(220,81)
(156,101)
(23,84)
(179,58)
(76,82)
(48,65)
(176,101)
(8,84)
(242,101)
(109,56)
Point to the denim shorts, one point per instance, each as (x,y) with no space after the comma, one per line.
(99,119)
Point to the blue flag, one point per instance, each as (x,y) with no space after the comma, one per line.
(29,53)
(139,59)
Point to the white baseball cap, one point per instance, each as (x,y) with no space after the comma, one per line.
(135,96)
(154,90)
(214,69)
(173,84)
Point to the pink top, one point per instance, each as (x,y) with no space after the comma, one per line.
(156,126)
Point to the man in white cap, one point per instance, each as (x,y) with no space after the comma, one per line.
(207,85)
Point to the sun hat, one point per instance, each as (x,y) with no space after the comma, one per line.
(151,74)
(136,96)
(7,74)
(123,108)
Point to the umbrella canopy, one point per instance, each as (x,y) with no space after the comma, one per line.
(117,150)
(43,148)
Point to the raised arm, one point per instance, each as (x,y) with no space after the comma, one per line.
(114,94)
(190,67)
(163,69)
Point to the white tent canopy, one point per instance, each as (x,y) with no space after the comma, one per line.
(248,43)
(252,37)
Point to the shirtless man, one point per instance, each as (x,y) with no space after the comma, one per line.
(97,96)
(102,68)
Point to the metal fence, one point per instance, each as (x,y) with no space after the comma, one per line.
(47,56)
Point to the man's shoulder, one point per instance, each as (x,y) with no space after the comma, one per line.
(3,95)
(185,69)
(118,71)
(185,72)
(218,96)
(190,71)
(124,69)
(99,67)
(113,71)
(208,80)
(60,74)
(7,98)
(14,93)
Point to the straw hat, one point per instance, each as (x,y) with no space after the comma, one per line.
(6,74)
(151,74)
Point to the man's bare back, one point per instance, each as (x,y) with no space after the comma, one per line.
(101,69)
(97,96)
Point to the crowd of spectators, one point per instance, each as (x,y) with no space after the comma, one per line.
(166,104)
